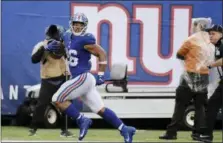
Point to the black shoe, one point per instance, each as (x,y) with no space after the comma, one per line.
(195,136)
(32,132)
(168,137)
(206,138)
(66,134)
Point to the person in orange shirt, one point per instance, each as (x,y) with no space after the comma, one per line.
(195,52)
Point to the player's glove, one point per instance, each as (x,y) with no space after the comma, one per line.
(100,79)
(53,46)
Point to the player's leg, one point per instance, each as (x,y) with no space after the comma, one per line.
(56,83)
(95,103)
(67,92)
(70,90)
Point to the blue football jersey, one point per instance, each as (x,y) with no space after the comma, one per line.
(78,56)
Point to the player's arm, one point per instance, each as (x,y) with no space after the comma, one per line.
(99,52)
(184,49)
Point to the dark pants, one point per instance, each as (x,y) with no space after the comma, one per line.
(183,96)
(48,88)
(214,104)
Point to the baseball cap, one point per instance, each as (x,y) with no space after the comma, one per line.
(216,28)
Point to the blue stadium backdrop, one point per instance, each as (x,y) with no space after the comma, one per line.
(145,35)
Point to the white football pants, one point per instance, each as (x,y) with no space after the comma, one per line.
(82,86)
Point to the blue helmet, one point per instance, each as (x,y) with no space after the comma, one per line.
(79,18)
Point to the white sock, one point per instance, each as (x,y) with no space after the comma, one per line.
(120,127)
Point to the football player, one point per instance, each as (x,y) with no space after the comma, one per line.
(80,46)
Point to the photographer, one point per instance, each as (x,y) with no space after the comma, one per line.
(215,101)
(53,74)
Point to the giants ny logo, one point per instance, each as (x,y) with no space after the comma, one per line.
(144,36)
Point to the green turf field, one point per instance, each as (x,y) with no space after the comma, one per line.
(21,133)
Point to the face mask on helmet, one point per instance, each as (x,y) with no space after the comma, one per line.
(78,24)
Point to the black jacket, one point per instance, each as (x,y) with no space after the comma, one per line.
(219,55)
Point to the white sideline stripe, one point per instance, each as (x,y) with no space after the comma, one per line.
(62,141)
